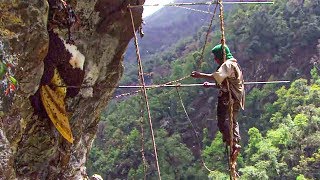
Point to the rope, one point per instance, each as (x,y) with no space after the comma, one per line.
(166,85)
(223,42)
(203,3)
(145,166)
(144,93)
(196,10)
(149,87)
(152,86)
(196,85)
(207,35)
(194,130)
(162,85)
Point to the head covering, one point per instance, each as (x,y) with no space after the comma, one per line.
(217,51)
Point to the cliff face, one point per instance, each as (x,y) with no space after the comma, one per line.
(30,146)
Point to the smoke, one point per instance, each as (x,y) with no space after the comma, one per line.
(77,58)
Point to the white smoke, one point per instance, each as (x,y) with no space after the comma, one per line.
(77,58)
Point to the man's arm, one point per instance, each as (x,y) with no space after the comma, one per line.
(219,76)
(196,74)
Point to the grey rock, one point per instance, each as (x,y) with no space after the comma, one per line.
(30,146)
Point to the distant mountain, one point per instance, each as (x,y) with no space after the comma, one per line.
(167,26)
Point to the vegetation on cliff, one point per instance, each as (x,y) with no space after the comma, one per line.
(280,126)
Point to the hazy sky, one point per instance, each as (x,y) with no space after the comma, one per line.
(148,10)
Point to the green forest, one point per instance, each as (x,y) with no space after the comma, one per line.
(280,126)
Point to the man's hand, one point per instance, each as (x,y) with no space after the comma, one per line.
(208,84)
(195,74)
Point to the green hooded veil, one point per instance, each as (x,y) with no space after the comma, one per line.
(217,51)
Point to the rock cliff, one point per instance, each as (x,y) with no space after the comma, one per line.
(30,146)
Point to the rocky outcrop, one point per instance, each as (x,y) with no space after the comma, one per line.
(30,146)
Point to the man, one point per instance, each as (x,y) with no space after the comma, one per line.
(227,71)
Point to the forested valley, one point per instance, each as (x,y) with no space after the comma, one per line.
(280,126)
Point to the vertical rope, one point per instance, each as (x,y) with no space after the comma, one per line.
(207,35)
(144,93)
(223,42)
(145,165)
(194,130)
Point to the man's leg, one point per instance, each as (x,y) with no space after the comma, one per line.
(222,116)
(236,131)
